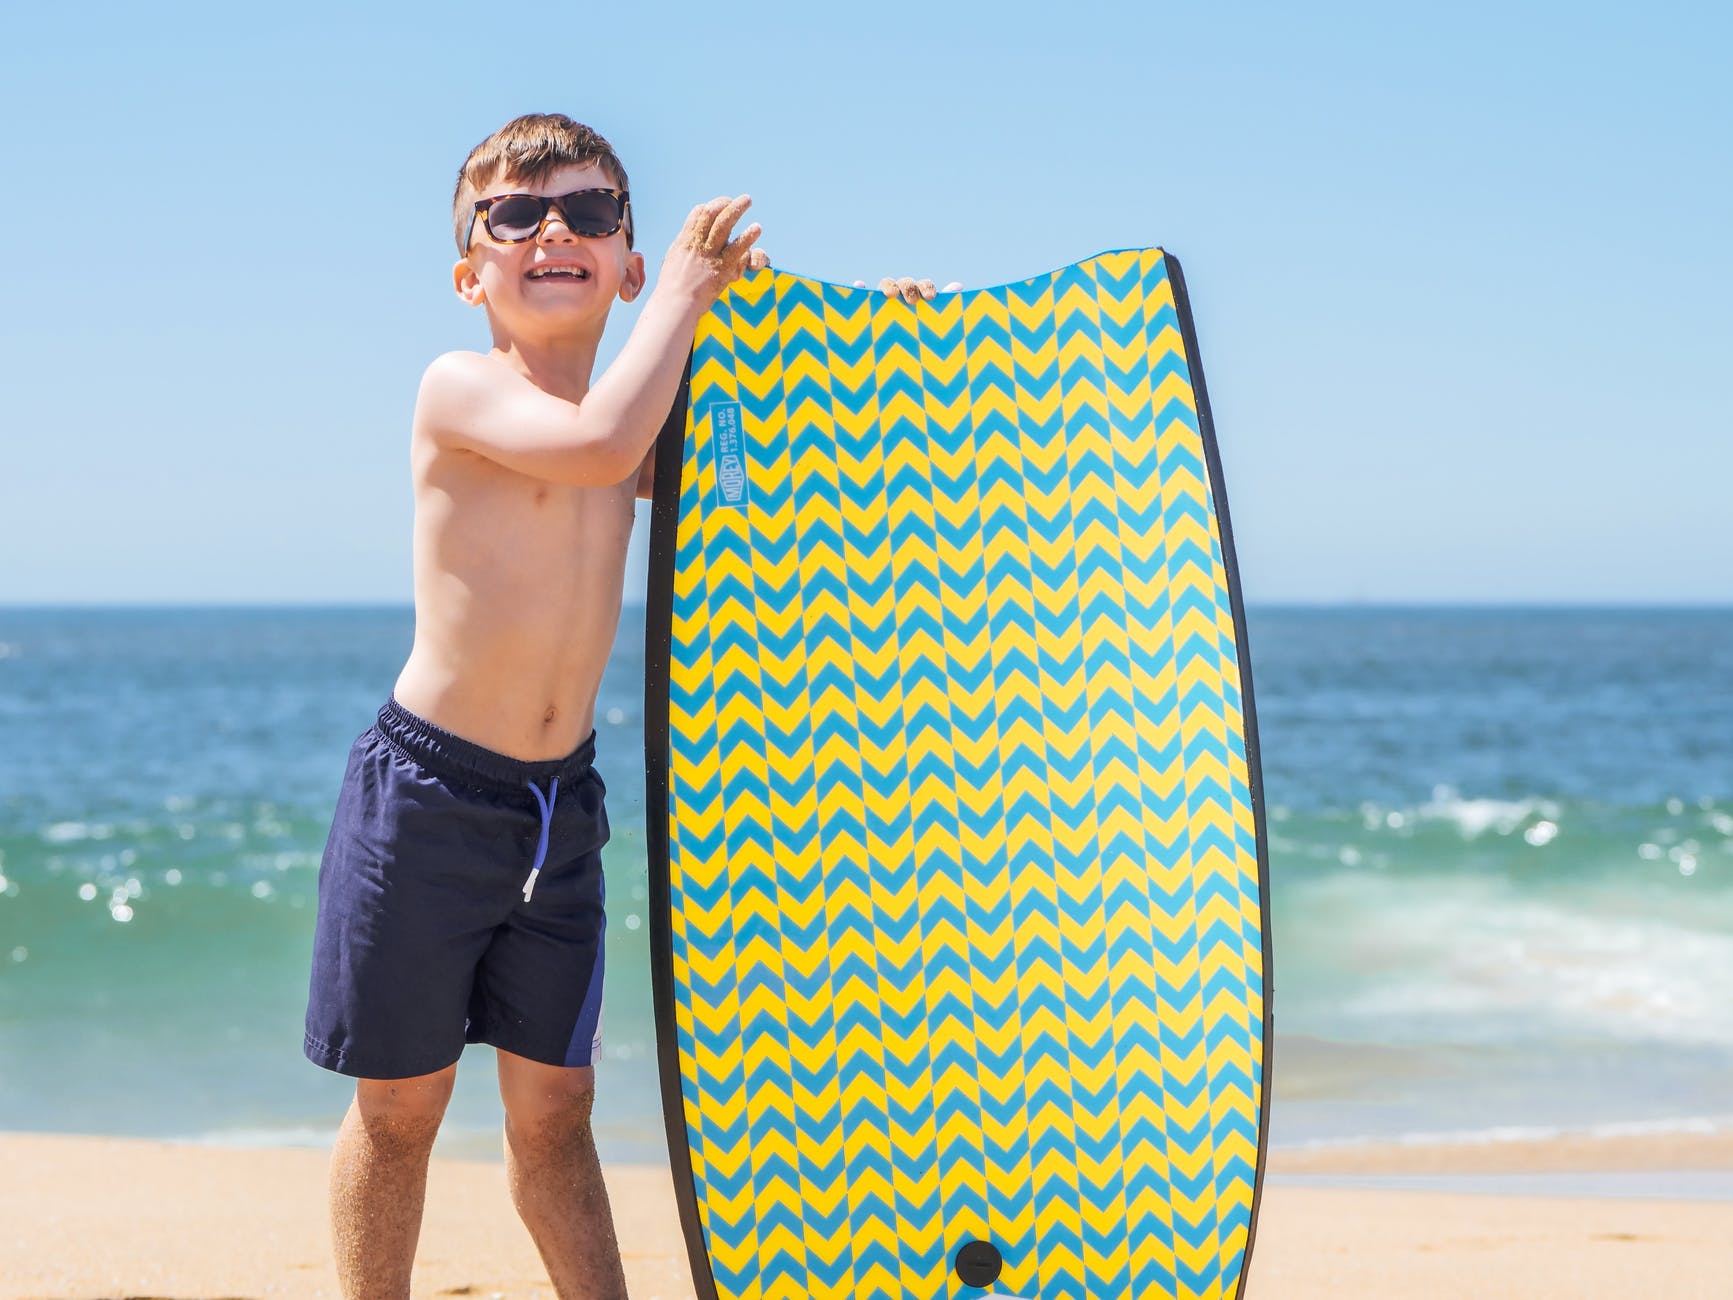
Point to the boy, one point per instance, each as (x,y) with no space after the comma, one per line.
(461,893)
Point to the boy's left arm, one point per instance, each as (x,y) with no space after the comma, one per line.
(647,476)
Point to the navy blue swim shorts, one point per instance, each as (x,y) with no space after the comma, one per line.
(460,900)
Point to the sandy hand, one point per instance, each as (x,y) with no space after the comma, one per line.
(703,260)
(908,288)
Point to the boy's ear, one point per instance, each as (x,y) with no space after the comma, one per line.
(632,283)
(468,284)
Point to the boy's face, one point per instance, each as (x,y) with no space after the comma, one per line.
(527,303)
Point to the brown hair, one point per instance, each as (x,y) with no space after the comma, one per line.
(530,149)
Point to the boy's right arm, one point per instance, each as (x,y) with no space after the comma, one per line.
(476,404)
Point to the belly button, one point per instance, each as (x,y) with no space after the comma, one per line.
(549,715)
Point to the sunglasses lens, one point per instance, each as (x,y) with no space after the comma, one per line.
(517,216)
(591,212)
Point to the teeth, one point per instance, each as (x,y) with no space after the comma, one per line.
(568,271)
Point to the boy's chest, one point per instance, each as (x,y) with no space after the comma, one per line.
(525,518)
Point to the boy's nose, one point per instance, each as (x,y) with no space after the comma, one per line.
(555,231)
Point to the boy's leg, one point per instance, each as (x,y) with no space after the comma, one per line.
(556,1179)
(379,1181)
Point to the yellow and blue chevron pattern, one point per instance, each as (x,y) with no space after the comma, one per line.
(965,896)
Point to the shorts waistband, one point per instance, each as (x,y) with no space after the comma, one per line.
(452,755)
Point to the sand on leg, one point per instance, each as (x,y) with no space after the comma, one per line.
(555,1177)
(379,1181)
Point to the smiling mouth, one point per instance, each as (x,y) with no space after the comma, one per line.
(559,273)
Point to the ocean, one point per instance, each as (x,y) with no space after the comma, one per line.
(1501,861)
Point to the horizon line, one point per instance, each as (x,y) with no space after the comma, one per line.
(1285,603)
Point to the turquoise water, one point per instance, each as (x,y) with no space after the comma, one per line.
(1501,851)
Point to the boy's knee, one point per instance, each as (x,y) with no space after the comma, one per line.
(560,1132)
(405,1110)
(544,1102)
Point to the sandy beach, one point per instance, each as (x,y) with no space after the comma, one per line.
(86,1218)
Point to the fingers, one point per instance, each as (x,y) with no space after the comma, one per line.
(909,289)
(698,223)
(705,259)
(739,258)
(717,238)
(738,255)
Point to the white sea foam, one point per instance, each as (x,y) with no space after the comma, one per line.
(72,832)
(260,1137)
(1541,833)
(1482,959)
(1538,819)
(1700,1125)
(1475,817)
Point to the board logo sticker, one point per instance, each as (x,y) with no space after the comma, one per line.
(730,452)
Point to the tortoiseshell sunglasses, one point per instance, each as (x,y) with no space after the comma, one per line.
(515,218)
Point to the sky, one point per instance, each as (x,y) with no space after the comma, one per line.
(1461,273)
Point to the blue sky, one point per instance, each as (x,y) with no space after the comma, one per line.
(1461,273)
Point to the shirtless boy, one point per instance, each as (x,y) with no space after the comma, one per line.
(461,894)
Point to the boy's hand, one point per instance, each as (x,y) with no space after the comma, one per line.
(908,289)
(703,261)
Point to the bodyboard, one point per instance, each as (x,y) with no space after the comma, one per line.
(957,855)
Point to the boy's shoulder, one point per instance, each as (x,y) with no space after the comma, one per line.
(460,367)
(482,405)
(457,383)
